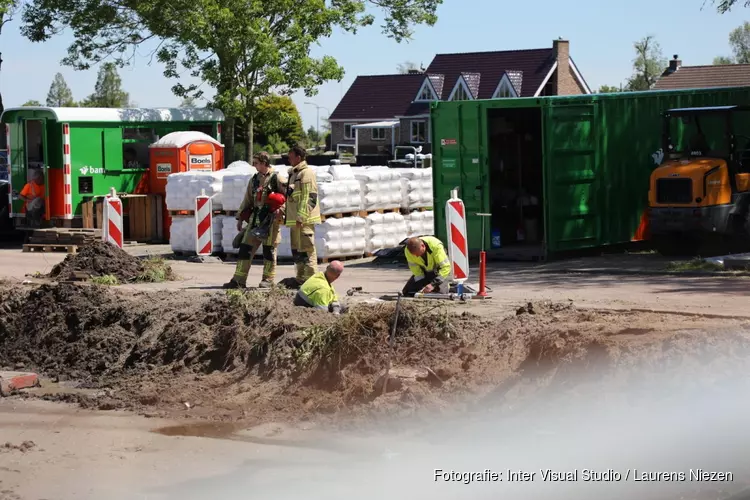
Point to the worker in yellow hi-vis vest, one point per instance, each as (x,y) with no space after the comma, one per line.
(429,265)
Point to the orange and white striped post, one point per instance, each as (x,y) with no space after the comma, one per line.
(203,225)
(458,243)
(112,231)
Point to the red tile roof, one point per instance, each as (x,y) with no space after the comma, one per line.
(534,63)
(378,97)
(697,77)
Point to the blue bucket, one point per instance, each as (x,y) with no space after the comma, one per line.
(495,238)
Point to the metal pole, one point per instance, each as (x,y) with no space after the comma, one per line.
(483,260)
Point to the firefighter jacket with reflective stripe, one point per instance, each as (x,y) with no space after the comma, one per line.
(258,189)
(302,204)
(434,259)
(318,292)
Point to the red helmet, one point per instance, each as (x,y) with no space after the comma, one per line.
(275,200)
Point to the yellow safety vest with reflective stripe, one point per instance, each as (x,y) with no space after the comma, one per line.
(318,292)
(437,259)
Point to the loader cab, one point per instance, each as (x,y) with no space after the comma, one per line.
(706,157)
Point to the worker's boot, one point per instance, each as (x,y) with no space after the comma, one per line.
(265,283)
(269,266)
(239,280)
(232,284)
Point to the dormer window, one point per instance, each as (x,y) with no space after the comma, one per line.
(426,92)
(460,91)
(505,89)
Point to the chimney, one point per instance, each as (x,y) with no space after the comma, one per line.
(674,64)
(562,54)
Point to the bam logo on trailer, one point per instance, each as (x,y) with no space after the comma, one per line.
(86,170)
(201,162)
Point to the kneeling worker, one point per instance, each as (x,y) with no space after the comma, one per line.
(318,290)
(429,265)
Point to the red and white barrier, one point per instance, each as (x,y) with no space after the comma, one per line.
(204,244)
(67,175)
(458,244)
(112,231)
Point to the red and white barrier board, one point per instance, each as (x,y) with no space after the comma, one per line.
(10,172)
(203,226)
(458,243)
(112,231)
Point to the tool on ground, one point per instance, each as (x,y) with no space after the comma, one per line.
(353,290)
(391,341)
(482,259)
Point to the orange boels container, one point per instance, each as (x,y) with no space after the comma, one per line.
(181,152)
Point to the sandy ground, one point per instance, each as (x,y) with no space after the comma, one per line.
(512,284)
(70,453)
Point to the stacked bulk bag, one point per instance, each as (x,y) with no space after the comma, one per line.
(384,231)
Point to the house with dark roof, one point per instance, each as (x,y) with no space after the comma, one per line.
(677,76)
(379,112)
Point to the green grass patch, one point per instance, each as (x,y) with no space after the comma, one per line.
(107,280)
(156,270)
(696,264)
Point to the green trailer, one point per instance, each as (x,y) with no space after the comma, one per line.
(557,173)
(84,152)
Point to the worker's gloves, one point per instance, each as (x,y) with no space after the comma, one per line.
(336,308)
(440,285)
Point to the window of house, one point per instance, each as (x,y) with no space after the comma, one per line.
(460,93)
(348,131)
(378,134)
(135,143)
(426,93)
(418,131)
(504,90)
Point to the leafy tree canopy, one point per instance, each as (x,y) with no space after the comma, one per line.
(244,49)
(108,92)
(32,103)
(648,65)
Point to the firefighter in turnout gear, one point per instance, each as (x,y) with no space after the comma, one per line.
(263,198)
(429,264)
(302,213)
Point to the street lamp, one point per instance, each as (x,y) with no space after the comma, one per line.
(317,112)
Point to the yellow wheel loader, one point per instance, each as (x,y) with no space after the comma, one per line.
(699,195)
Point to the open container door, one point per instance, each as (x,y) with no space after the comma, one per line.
(571,177)
(460,162)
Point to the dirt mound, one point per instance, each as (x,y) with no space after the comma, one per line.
(97,259)
(241,355)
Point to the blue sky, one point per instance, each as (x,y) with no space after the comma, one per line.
(601,42)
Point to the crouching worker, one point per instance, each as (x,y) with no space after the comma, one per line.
(318,291)
(263,209)
(429,265)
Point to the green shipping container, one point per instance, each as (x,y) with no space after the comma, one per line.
(84,152)
(556,173)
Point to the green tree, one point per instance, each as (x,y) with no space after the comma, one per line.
(609,89)
(60,95)
(7,9)
(312,136)
(278,116)
(108,91)
(739,41)
(32,103)
(407,67)
(244,49)
(722,60)
(648,65)
(188,102)
(725,5)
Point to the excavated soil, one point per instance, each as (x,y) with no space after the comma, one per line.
(97,258)
(255,357)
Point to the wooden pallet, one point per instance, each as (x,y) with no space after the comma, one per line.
(365,213)
(339,215)
(407,211)
(33,247)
